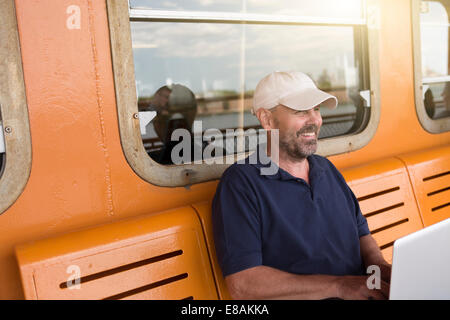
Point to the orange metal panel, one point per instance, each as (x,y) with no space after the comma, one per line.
(122,259)
(388,236)
(49,277)
(370,171)
(382,201)
(387,199)
(427,170)
(387,254)
(438,200)
(436,184)
(177,292)
(204,212)
(387,218)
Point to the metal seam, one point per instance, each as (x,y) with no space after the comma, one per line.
(109,197)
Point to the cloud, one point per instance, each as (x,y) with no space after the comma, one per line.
(211,52)
(320,8)
(187,40)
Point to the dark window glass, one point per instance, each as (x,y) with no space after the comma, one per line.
(434,29)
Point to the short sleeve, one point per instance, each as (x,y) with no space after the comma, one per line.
(236,223)
(361,222)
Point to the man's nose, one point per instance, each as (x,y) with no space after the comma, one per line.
(315,116)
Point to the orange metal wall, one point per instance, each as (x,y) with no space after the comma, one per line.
(79,175)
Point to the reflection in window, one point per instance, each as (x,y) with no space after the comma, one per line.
(176,108)
(220,64)
(434,29)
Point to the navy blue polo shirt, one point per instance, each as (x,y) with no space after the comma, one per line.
(283,222)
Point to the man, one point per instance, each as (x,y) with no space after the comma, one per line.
(299,233)
(160,101)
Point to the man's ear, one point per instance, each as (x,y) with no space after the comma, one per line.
(265,117)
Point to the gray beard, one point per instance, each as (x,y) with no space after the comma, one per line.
(296,151)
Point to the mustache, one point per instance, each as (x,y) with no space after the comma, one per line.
(307,128)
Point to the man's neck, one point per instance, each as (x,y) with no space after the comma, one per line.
(296,167)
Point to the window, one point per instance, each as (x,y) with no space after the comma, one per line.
(201,60)
(15,139)
(2,145)
(432,69)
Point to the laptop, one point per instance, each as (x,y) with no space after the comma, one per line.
(421,264)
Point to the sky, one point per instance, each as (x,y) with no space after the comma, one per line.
(326,8)
(211,57)
(434,39)
(231,57)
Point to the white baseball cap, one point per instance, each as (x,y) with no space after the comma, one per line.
(292,89)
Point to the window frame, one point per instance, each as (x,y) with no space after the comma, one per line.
(188,174)
(434,126)
(16,129)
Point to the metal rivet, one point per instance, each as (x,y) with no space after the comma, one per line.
(136,115)
(8,129)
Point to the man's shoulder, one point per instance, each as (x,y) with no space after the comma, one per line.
(327,166)
(239,171)
(237,182)
(323,162)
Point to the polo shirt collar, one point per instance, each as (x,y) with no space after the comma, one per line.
(315,170)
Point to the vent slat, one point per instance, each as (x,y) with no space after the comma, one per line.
(386,218)
(439,199)
(389,226)
(442,206)
(385,237)
(121,282)
(436,176)
(176,290)
(116,259)
(374,213)
(377,194)
(389,206)
(122,258)
(438,191)
(363,190)
(95,276)
(147,287)
(382,201)
(435,184)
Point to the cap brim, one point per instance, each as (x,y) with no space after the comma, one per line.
(308,99)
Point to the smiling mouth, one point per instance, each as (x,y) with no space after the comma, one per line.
(308,134)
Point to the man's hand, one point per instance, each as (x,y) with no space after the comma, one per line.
(264,282)
(355,288)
